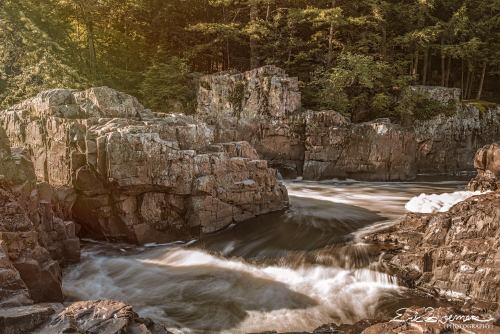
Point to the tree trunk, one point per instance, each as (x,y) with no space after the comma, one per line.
(384,42)
(469,92)
(443,63)
(462,81)
(330,37)
(426,65)
(448,71)
(89,27)
(415,65)
(481,83)
(254,58)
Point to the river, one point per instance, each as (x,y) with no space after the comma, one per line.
(288,271)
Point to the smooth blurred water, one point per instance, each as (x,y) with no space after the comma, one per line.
(288,271)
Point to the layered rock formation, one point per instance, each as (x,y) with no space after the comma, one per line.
(263,106)
(34,241)
(438,93)
(260,106)
(126,173)
(448,144)
(377,150)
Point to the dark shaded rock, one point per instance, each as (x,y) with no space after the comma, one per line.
(24,319)
(34,241)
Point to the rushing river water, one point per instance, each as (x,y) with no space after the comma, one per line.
(289,271)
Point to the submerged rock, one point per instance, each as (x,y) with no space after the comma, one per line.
(136,175)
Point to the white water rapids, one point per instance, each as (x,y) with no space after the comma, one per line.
(290,271)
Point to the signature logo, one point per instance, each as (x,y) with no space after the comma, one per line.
(428,316)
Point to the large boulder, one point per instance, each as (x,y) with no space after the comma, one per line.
(136,175)
(93,317)
(438,93)
(487,164)
(100,317)
(337,148)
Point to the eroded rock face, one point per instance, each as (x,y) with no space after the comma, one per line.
(448,144)
(261,106)
(139,176)
(265,91)
(487,164)
(34,241)
(454,253)
(377,150)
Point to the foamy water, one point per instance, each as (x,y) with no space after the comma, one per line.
(290,271)
(424,203)
(192,289)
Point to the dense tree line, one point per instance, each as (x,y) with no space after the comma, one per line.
(356,57)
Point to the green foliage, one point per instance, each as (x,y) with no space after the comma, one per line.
(357,85)
(167,87)
(34,55)
(352,56)
(418,106)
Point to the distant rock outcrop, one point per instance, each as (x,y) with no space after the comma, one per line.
(260,106)
(135,175)
(337,148)
(263,107)
(448,144)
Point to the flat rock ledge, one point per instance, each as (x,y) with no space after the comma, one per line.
(126,173)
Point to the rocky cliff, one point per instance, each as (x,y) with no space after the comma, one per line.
(263,106)
(34,241)
(126,173)
(337,148)
(452,253)
(448,144)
